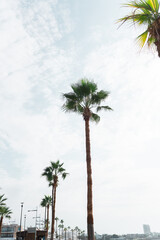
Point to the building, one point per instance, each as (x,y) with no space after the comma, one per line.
(31,234)
(9,231)
(146,229)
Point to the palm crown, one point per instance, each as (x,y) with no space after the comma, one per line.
(54,171)
(146,13)
(47,200)
(84,99)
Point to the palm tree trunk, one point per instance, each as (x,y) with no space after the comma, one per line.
(47,221)
(56,229)
(1,220)
(53,207)
(90,224)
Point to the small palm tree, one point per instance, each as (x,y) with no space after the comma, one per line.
(68,231)
(145,13)
(65,233)
(83,99)
(5,212)
(72,230)
(62,221)
(46,202)
(52,174)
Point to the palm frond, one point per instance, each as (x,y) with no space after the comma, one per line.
(104,107)
(95,117)
(142,39)
(98,97)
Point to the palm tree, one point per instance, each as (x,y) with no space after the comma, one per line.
(52,174)
(68,231)
(72,230)
(56,219)
(5,212)
(60,226)
(145,13)
(65,233)
(46,202)
(83,99)
(62,221)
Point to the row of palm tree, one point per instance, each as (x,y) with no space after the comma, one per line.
(5,211)
(46,202)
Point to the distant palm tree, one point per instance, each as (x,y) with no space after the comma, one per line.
(44,204)
(68,231)
(72,230)
(65,233)
(145,13)
(56,219)
(5,212)
(82,100)
(62,226)
(47,202)
(52,173)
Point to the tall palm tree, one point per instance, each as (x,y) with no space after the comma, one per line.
(5,212)
(83,99)
(52,174)
(145,13)
(47,202)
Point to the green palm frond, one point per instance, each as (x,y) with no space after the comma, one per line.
(2,200)
(149,5)
(104,107)
(5,212)
(142,39)
(95,117)
(98,97)
(137,18)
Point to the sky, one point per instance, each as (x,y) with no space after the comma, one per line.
(45,46)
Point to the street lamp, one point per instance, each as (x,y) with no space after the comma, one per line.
(21,216)
(34,210)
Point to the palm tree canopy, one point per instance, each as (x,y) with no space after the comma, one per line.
(53,172)
(85,98)
(146,13)
(2,200)
(5,212)
(46,201)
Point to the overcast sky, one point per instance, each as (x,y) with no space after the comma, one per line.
(46,45)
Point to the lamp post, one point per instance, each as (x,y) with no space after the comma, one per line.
(34,210)
(21,216)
